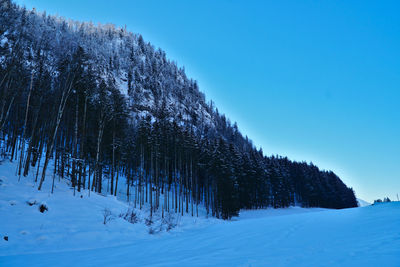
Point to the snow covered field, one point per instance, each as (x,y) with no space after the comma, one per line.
(72,233)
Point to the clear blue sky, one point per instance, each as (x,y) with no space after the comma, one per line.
(313,80)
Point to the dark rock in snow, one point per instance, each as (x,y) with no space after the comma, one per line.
(31,202)
(43,208)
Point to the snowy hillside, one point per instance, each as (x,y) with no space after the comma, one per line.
(362,203)
(73,222)
(106,105)
(71,232)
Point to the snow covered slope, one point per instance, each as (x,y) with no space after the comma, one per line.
(72,233)
(73,222)
(362,203)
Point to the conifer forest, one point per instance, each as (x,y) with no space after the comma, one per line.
(102,108)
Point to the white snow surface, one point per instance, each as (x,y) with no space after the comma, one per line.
(362,203)
(72,233)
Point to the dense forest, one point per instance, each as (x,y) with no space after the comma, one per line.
(100,105)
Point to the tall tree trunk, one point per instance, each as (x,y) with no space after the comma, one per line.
(30,145)
(127,186)
(150,183)
(14,141)
(50,146)
(75,145)
(5,113)
(99,138)
(82,146)
(24,130)
(113,159)
(116,181)
(175,185)
(191,184)
(39,156)
(4,118)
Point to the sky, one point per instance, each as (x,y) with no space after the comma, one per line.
(317,81)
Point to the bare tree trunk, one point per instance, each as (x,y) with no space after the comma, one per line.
(181,193)
(175,185)
(99,182)
(4,118)
(4,114)
(39,156)
(198,197)
(30,145)
(127,186)
(191,183)
(151,187)
(113,160)
(24,130)
(75,145)
(88,185)
(99,138)
(187,187)
(54,174)
(83,140)
(156,181)
(14,142)
(141,177)
(116,182)
(50,146)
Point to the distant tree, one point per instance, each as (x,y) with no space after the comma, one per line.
(386,199)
